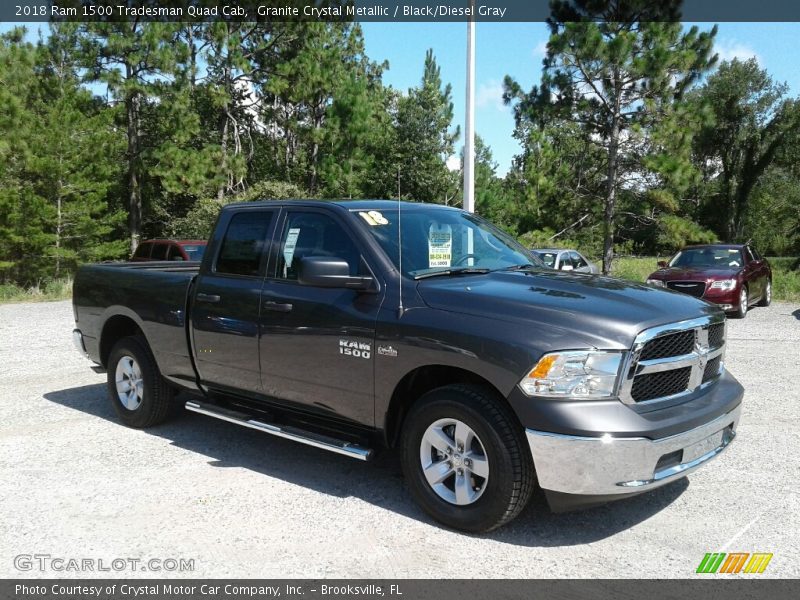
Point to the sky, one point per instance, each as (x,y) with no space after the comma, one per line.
(517,49)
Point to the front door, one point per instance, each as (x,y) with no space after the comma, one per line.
(226,308)
(317,344)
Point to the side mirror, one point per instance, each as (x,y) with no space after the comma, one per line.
(329,272)
(566,267)
(662,264)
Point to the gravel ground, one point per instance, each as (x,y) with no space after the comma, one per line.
(77,484)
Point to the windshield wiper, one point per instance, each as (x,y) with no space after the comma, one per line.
(459,271)
(522,267)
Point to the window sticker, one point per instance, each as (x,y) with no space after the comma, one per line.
(440,246)
(289,246)
(374,218)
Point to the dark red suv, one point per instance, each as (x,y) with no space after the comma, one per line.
(185,250)
(735,276)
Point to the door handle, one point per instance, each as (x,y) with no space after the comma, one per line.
(213,298)
(277,306)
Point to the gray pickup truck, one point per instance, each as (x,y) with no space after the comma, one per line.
(361,325)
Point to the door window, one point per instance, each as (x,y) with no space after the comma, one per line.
(159,252)
(174,252)
(244,244)
(314,234)
(143,251)
(577,260)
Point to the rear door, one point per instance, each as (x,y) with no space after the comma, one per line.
(317,344)
(226,307)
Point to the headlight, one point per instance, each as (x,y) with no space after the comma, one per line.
(724,284)
(578,374)
(656,282)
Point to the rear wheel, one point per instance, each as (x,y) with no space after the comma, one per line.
(766,299)
(465,459)
(741,312)
(140,396)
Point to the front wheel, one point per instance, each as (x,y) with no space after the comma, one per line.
(465,459)
(766,299)
(741,312)
(140,396)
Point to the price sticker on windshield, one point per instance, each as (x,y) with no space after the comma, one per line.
(440,246)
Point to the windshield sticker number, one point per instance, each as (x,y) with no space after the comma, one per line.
(440,246)
(374,218)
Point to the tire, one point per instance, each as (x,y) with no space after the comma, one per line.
(741,312)
(132,367)
(766,299)
(498,448)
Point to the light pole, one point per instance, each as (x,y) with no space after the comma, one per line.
(469,126)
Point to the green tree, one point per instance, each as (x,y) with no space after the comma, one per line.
(425,138)
(616,69)
(753,123)
(135,60)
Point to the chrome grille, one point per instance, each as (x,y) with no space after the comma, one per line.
(675,359)
(693,288)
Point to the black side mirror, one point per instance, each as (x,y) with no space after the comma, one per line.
(330,272)
(662,264)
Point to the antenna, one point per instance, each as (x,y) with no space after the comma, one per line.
(400,309)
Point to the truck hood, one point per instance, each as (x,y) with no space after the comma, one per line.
(604,312)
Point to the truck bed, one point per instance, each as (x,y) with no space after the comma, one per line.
(153,294)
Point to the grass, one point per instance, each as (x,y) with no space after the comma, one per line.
(44,291)
(785,274)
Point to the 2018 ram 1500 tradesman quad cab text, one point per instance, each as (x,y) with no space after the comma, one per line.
(490,373)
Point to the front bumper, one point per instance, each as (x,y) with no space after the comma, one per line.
(615,466)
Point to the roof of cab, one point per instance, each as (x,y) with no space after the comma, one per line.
(346,204)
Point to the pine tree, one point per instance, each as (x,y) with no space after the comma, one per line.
(425,139)
(134,59)
(616,68)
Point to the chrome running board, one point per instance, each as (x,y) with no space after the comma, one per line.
(290,433)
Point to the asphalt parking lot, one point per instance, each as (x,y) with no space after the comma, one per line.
(77,484)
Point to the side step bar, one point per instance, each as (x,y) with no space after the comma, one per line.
(290,433)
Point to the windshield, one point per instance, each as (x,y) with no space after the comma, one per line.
(436,239)
(194,251)
(722,258)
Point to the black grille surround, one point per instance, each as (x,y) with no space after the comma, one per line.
(660,385)
(693,288)
(669,361)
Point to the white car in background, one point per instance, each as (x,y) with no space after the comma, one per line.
(565,259)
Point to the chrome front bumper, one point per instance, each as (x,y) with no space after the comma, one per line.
(608,465)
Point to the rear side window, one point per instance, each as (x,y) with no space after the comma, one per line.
(143,251)
(244,243)
(159,251)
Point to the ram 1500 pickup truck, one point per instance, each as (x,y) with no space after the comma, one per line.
(359,325)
